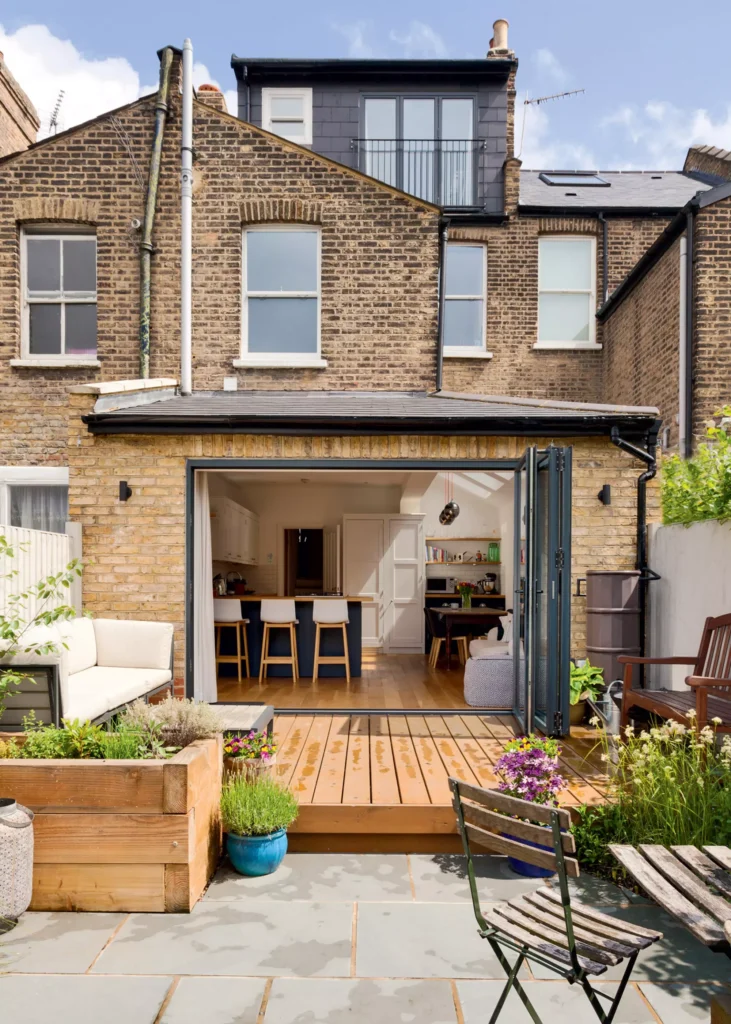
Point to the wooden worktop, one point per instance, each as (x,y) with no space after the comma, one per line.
(276,597)
(475,597)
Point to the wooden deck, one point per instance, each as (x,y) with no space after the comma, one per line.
(379,782)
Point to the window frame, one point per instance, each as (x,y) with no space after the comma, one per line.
(277,359)
(53,232)
(28,476)
(268,121)
(469,351)
(591,344)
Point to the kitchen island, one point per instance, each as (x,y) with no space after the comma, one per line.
(331,641)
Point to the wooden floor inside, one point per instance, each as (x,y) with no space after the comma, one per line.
(387,682)
(379,782)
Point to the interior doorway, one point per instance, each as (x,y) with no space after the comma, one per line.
(303,561)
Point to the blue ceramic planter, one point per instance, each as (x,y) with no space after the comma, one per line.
(522,867)
(256,855)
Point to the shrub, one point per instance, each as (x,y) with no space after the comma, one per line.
(8,749)
(179,721)
(84,740)
(699,488)
(256,808)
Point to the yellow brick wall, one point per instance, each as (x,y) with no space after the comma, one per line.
(135,550)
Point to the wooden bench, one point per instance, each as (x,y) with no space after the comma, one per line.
(710,683)
(691,884)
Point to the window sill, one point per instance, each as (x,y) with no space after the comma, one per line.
(568,346)
(453,352)
(59,363)
(280,362)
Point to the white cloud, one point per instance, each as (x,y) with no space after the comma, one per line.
(661,132)
(356,33)
(548,64)
(419,40)
(537,145)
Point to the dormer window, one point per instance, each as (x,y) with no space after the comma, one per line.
(288,112)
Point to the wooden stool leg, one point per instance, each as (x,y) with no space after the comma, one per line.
(347,654)
(293,647)
(237,627)
(218,648)
(246,649)
(436,645)
(264,652)
(316,663)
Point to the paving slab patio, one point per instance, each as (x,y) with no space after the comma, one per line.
(328,938)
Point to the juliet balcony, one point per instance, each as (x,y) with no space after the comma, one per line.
(442,171)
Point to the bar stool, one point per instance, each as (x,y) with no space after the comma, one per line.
(330,615)
(279,615)
(227,615)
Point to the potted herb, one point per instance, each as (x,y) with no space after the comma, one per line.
(465,589)
(529,770)
(256,816)
(251,754)
(587,680)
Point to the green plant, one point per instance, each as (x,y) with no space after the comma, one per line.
(125,746)
(700,488)
(43,741)
(83,739)
(179,721)
(9,749)
(586,680)
(256,808)
(671,785)
(19,632)
(529,770)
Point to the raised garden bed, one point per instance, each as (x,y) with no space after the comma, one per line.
(122,835)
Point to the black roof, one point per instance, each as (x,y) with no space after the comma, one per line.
(344,67)
(626,192)
(357,412)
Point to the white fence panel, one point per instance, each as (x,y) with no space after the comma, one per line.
(37,554)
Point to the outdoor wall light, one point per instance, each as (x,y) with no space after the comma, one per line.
(605,494)
(125,491)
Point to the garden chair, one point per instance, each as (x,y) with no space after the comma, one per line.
(710,683)
(545,927)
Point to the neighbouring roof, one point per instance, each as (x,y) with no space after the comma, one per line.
(358,412)
(658,191)
(345,67)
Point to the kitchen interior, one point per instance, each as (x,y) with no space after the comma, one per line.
(392,545)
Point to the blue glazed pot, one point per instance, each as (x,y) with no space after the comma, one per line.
(522,867)
(256,855)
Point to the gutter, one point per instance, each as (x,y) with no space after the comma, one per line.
(153,181)
(443,236)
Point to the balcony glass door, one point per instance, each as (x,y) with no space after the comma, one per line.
(457,172)
(542,600)
(419,135)
(380,130)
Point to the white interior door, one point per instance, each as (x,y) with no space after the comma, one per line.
(404,585)
(331,570)
(363,546)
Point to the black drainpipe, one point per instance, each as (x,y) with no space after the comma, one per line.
(647,455)
(605,257)
(443,234)
(146,247)
(688,354)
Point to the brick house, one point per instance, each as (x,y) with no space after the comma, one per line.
(369,385)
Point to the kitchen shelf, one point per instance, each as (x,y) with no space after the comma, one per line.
(482,562)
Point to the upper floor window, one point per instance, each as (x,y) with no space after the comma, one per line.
(566,292)
(58,283)
(423,145)
(288,112)
(281,296)
(464,300)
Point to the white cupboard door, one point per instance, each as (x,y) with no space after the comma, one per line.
(252,551)
(404,585)
(362,558)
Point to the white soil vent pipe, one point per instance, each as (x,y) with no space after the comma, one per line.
(186,225)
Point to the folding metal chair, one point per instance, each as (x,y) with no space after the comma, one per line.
(544,926)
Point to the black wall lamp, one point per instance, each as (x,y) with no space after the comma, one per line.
(605,495)
(125,491)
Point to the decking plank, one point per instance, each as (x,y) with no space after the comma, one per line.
(304,777)
(384,781)
(430,763)
(357,783)
(329,788)
(288,755)
(411,782)
(452,757)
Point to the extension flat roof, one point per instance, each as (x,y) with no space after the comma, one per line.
(659,191)
(357,412)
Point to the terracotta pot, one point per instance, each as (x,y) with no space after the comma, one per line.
(577,712)
(250,768)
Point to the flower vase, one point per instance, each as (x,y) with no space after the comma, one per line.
(466,600)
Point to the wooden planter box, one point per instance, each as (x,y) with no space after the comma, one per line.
(122,835)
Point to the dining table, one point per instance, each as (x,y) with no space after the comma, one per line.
(486,618)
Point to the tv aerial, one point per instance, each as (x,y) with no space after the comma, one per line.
(536,102)
(53,123)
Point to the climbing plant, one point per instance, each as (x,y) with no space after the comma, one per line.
(700,488)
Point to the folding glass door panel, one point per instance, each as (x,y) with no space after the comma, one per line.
(457,173)
(381,155)
(542,600)
(419,133)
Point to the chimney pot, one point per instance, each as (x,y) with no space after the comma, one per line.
(499,40)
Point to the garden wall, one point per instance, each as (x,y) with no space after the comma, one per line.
(695,565)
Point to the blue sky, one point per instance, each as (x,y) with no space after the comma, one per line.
(655,73)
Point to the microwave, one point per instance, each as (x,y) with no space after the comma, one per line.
(442,584)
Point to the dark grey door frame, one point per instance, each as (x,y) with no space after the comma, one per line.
(191,465)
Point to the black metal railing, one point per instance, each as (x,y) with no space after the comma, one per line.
(442,171)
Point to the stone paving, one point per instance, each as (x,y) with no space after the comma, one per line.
(329,938)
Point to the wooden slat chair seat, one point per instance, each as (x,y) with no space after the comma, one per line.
(545,927)
(710,683)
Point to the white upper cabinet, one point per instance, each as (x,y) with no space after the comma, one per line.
(234,532)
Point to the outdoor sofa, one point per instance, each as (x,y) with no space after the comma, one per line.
(104,665)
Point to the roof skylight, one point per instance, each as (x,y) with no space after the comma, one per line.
(569,178)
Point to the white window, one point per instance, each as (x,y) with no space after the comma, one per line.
(34,497)
(566,293)
(281,296)
(288,112)
(464,301)
(58,297)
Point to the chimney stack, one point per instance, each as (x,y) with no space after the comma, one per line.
(212,96)
(499,41)
(19,122)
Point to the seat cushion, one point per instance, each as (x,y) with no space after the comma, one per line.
(488,648)
(93,692)
(128,643)
(78,635)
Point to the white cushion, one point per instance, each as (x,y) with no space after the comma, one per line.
(93,692)
(488,646)
(506,621)
(78,634)
(128,643)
